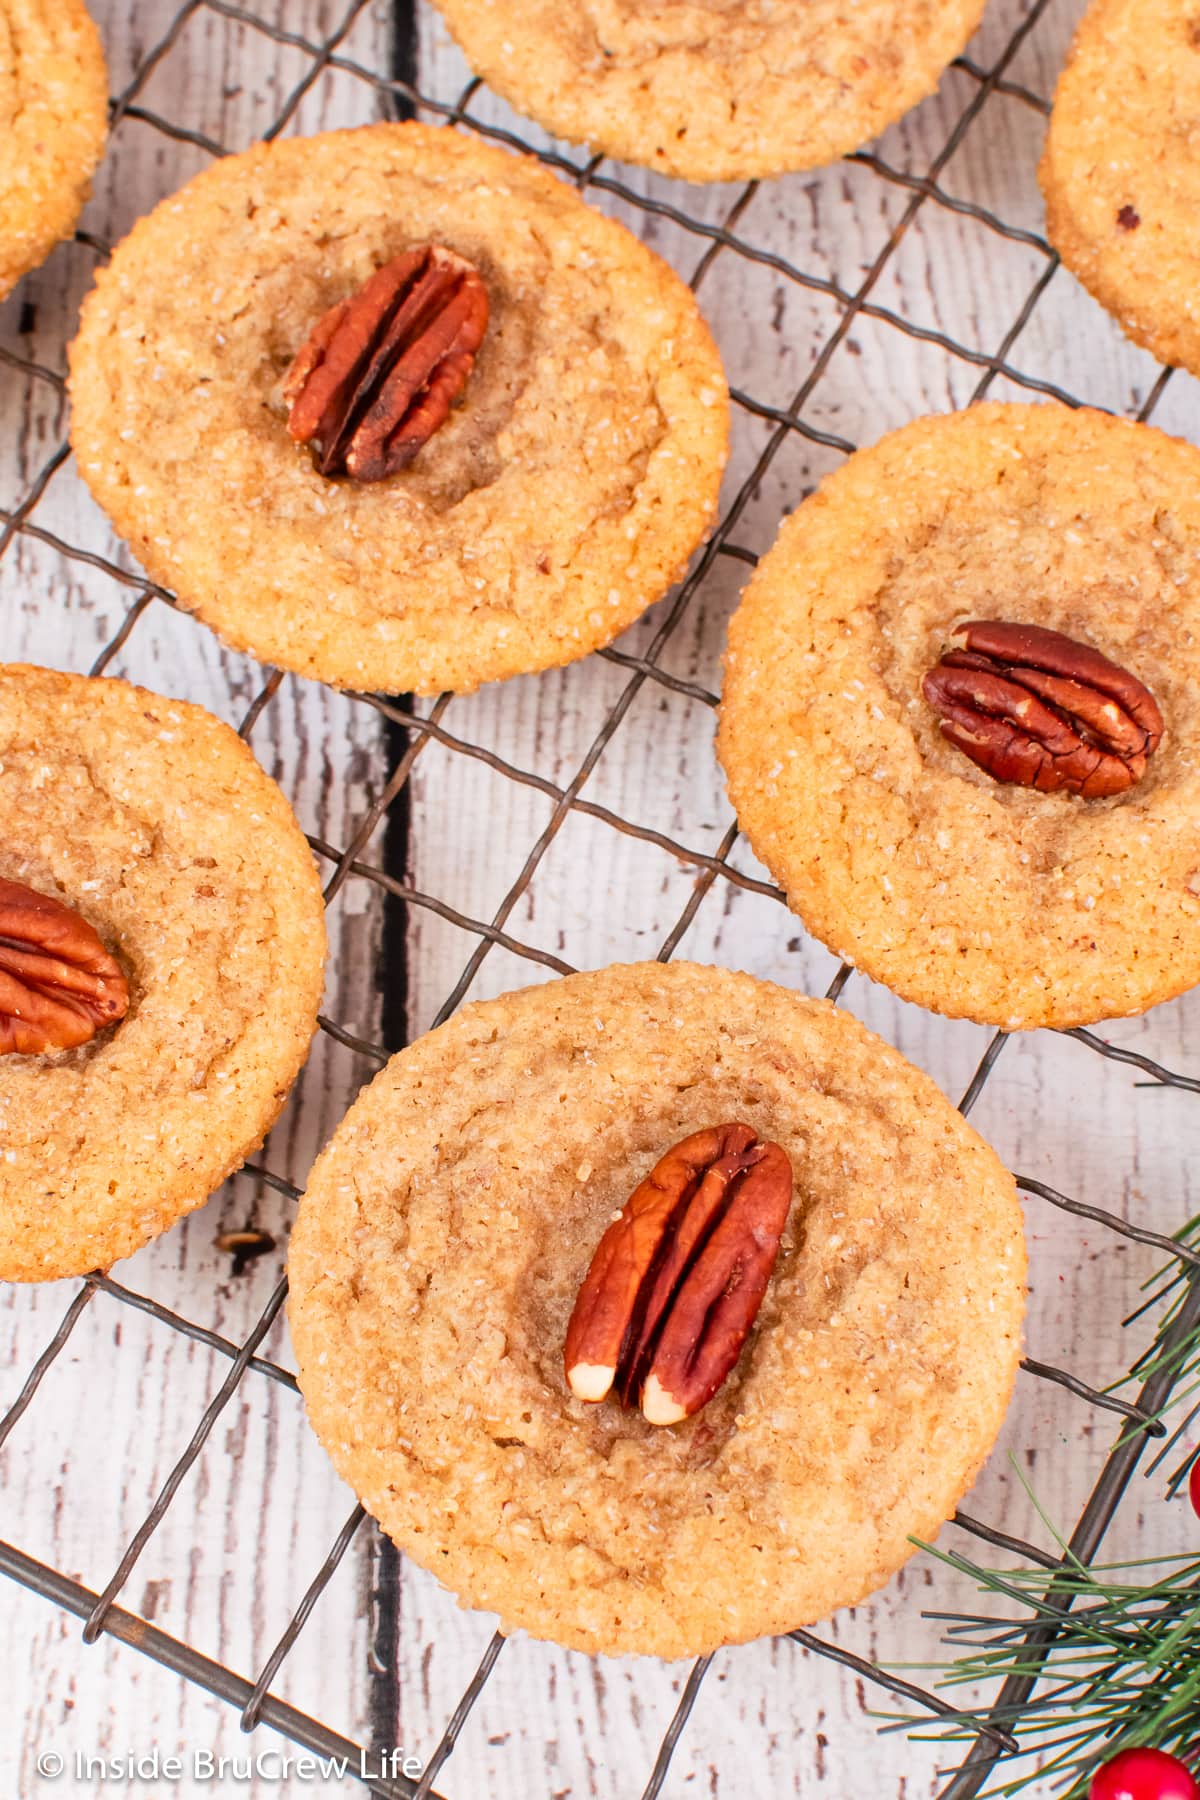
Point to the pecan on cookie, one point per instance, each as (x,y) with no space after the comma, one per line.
(439,1251)
(1037,708)
(382,369)
(58,984)
(677,1279)
(598,383)
(1001,904)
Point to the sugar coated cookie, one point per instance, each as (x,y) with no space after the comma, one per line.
(150,824)
(713,91)
(521,459)
(53,122)
(439,1255)
(1121,174)
(961,716)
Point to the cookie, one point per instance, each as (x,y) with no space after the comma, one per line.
(152,821)
(443,1240)
(1120,172)
(978,897)
(713,93)
(53,123)
(561,496)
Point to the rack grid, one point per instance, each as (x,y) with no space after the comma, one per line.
(394,93)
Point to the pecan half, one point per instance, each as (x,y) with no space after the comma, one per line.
(58,984)
(1037,708)
(677,1279)
(381,370)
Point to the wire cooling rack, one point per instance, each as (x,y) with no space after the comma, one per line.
(394,91)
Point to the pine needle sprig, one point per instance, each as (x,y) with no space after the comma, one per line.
(1123,1668)
(1182,1357)
(1092,1658)
(1169,1353)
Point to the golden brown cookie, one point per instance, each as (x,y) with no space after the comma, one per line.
(53,122)
(979,898)
(151,820)
(443,1240)
(561,497)
(713,90)
(1121,173)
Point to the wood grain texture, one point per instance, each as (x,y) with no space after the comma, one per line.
(260,1508)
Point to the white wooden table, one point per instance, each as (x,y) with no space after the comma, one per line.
(260,1507)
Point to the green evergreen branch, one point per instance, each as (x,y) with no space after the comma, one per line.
(1114,1649)
(1123,1669)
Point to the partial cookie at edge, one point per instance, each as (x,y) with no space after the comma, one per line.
(1120,174)
(151,819)
(713,94)
(54,109)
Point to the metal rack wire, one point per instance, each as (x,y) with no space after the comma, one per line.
(396,95)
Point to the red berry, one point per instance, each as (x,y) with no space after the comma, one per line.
(1143,1775)
(1194,1486)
